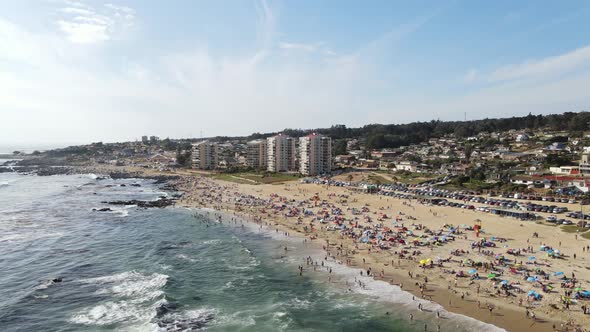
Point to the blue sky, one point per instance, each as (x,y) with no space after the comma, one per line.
(79,71)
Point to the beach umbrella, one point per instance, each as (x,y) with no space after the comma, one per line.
(472,271)
(559,273)
(578,289)
(532,258)
(531,292)
(504,282)
(531,279)
(491,275)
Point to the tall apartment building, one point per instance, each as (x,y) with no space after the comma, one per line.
(257,154)
(205,155)
(315,154)
(281,154)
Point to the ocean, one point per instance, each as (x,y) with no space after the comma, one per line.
(66,267)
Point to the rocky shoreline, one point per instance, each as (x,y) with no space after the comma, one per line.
(164,182)
(161,202)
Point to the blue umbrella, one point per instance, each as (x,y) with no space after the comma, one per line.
(557,274)
(472,271)
(531,258)
(504,282)
(531,279)
(531,292)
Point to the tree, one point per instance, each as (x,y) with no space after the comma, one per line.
(167,144)
(183,157)
(555,160)
(339,147)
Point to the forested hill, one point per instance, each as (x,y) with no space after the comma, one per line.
(395,135)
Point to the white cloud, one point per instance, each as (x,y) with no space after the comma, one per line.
(550,66)
(300,46)
(236,94)
(84,32)
(74,10)
(83,24)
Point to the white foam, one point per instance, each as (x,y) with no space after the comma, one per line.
(299,304)
(186,258)
(114,312)
(131,284)
(28,237)
(134,299)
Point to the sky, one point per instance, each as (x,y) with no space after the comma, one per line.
(74,71)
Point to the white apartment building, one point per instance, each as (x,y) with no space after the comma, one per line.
(281,154)
(257,154)
(205,155)
(315,154)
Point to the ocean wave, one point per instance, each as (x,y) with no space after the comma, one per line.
(28,237)
(236,321)
(134,298)
(120,211)
(298,303)
(186,258)
(190,320)
(116,312)
(130,283)
(213,241)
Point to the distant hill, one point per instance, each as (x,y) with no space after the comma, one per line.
(395,135)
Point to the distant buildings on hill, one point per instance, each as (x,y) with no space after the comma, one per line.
(151,139)
(309,155)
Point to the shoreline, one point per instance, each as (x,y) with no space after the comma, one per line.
(349,274)
(210,193)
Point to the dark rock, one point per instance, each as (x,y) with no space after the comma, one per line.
(159,203)
(165,308)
